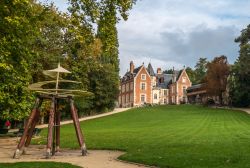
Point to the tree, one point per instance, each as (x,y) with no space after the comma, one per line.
(217,76)
(191,74)
(168,71)
(18,30)
(51,43)
(240,78)
(200,70)
(34,37)
(31,39)
(104,13)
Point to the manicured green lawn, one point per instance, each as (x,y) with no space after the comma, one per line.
(38,165)
(183,136)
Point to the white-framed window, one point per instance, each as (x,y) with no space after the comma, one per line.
(123,88)
(155,96)
(143,86)
(165,101)
(165,92)
(131,86)
(123,99)
(184,79)
(127,98)
(143,76)
(127,87)
(143,98)
(184,90)
(173,89)
(131,97)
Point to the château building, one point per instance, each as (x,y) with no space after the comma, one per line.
(142,85)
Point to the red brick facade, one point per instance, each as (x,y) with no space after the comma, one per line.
(140,79)
(138,85)
(177,90)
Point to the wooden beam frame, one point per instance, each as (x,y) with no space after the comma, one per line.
(53,137)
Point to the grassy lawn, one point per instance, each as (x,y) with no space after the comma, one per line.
(38,165)
(171,136)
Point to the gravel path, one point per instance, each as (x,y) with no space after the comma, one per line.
(247,110)
(94,159)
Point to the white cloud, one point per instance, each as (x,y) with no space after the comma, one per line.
(177,33)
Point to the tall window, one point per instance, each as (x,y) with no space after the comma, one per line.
(123,88)
(143,98)
(173,89)
(127,98)
(123,99)
(155,96)
(184,94)
(165,93)
(143,76)
(183,79)
(131,86)
(184,90)
(143,86)
(131,97)
(127,87)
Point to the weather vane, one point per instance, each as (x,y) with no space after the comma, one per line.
(53,94)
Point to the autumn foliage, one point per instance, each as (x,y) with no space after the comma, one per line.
(216,78)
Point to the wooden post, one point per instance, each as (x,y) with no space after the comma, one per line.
(24,136)
(31,130)
(50,128)
(54,129)
(77,127)
(58,118)
(32,127)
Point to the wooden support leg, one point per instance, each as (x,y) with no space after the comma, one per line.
(58,119)
(50,129)
(32,127)
(78,128)
(28,124)
(54,130)
(31,130)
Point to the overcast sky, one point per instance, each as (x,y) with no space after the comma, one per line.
(175,33)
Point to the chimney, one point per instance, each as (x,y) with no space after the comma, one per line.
(174,76)
(159,71)
(132,67)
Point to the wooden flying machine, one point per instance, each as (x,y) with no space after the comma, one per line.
(54,114)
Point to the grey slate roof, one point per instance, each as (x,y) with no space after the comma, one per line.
(128,75)
(150,70)
(197,86)
(167,79)
(178,74)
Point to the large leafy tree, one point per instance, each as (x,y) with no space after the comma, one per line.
(105,14)
(217,77)
(51,43)
(34,37)
(31,39)
(240,78)
(18,30)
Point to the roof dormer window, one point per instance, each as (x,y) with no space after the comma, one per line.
(143,76)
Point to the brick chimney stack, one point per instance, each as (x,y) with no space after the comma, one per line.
(159,71)
(132,67)
(174,75)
